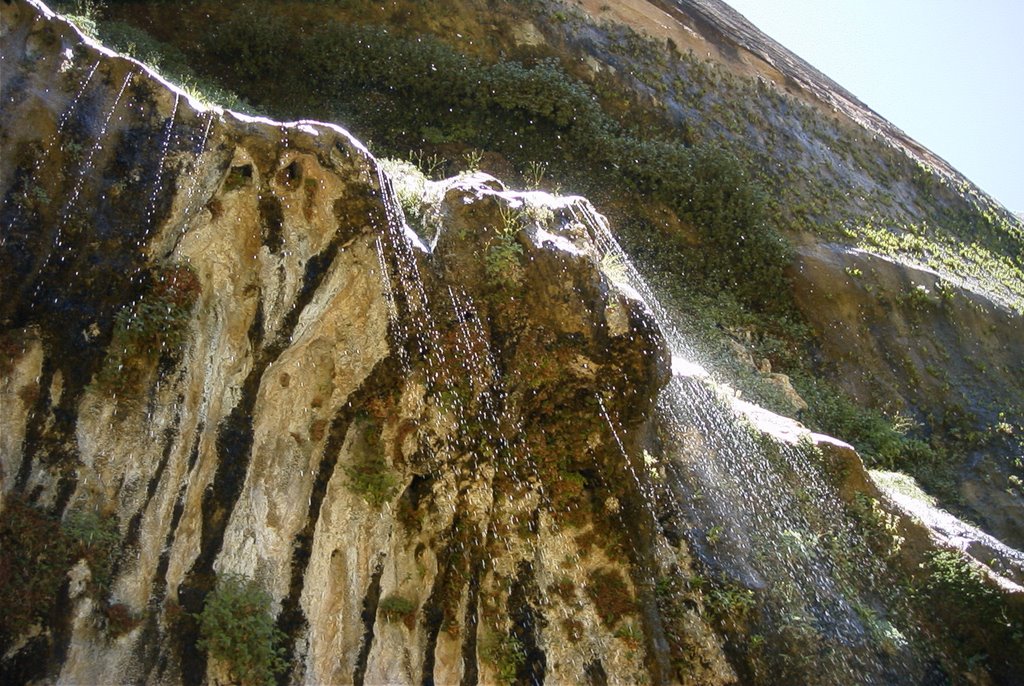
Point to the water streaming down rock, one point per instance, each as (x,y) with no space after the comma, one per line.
(769,518)
(439,455)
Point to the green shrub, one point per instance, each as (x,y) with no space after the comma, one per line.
(36,552)
(501,262)
(506,653)
(729,602)
(236,627)
(881,441)
(396,608)
(372,478)
(950,578)
(94,538)
(155,325)
(961,605)
(369,474)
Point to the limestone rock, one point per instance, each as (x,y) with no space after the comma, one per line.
(221,336)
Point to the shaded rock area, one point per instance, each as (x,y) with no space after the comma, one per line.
(908,340)
(233,375)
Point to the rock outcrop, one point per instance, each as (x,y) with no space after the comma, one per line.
(224,345)
(255,426)
(938,353)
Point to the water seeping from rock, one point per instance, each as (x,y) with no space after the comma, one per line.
(473,457)
(743,489)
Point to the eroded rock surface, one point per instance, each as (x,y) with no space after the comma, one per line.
(226,355)
(907,340)
(221,339)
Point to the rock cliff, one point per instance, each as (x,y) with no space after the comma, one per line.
(652,108)
(223,343)
(273,410)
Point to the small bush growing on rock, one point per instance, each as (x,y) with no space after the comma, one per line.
(369,474)
(153,326)
(236,627)
(94,538)
(506,653)
(953,595)
(730,602)
(395,608)
(950,578)
(504,251)
(372,479)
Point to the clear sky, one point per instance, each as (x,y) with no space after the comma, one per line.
(948,72)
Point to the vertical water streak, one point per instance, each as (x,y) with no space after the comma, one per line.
(80,184)
(768,515)
(165,143)
(61,123)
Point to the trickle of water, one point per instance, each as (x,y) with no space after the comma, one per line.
(385,279)
(165,144)
(61,123)
(768,515)
(83,174)
(199,150)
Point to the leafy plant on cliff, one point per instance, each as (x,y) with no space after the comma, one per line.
(237,628)
(506,653)
(953,594)
(372,479)
(95,539)
(154,326)
(502,259)
(369,474)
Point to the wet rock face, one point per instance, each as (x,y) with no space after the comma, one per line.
(225,357)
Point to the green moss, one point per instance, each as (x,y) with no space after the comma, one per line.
(396,608)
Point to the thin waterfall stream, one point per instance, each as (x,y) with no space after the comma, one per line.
(448,432)
(769,521)
(757,529)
